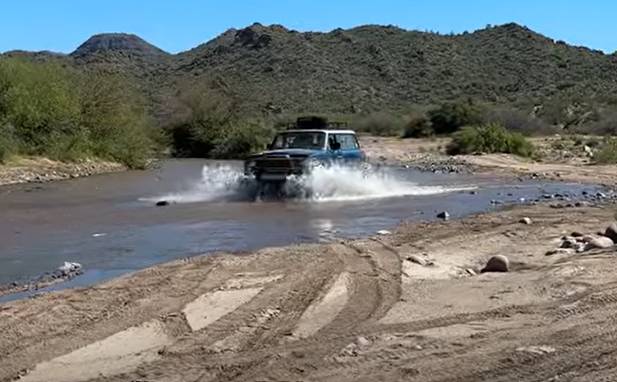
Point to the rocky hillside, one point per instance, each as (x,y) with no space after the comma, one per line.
(375,67)
(124,52)
(276,70)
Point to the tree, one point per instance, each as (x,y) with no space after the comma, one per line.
(418,126)
(114,118)
(208,125)
(38,100)
(47,109)
(450,117)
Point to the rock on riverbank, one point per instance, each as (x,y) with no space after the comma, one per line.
(42,170)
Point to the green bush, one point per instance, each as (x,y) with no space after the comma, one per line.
(606,124)
(242,139)
(115,121)
(38,100)
(4,151)
(66,115)
(380,124)
(607,154)
(418,127)
(7,144)
(67,147)
(518,121)
(209,127)
(489,138)
(570,110)
(450,117)
(234,140)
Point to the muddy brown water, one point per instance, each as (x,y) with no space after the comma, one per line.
(110,225)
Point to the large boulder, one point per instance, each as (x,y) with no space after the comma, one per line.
(69,268)
(568,242)
(416,259)
(580,247)
(362,341)
(443,215)
(561,251)
(525,220)
(597,242)
(611,232)
(498,263)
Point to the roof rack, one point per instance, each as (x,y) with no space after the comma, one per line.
(315,123)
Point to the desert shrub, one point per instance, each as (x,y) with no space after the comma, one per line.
(518,121)
(489,138)
(570,110)
(7,143)
(113,119)
(38,100)
(380,124)
(241,139)
(208,126)
(607,153)
(606,124)
(201,116)
(450,117)
(67,147)
(4,150)
(418,127)
(66,115)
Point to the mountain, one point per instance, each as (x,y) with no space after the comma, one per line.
(118,43)
(277,70)
(121,52)
(374,67)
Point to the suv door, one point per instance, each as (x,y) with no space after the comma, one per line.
(349,147)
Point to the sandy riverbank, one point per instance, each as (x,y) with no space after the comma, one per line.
(345,311)
(426,154)
(40,170)
(554,164)
(411,305)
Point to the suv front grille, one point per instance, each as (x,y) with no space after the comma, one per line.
(279,165)
(275,163)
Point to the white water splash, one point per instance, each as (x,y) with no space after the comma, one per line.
(324,184)
(351,184)
(216,183)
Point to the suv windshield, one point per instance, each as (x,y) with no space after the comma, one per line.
(299,140)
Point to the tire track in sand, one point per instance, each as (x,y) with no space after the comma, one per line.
(118,353)
(126,350)
(322,312)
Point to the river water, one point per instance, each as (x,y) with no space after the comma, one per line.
(110,225)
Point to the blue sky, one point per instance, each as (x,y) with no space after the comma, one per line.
(61,25)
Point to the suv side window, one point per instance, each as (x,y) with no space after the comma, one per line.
(347,141)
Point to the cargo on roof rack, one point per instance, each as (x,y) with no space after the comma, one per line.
(315,123)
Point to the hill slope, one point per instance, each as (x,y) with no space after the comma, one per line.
(273,69)
(123,52)
(374,67)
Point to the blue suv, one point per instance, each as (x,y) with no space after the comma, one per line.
(309,143)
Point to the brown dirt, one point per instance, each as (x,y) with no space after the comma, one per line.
(556,163)
(354,310)
(506,164)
